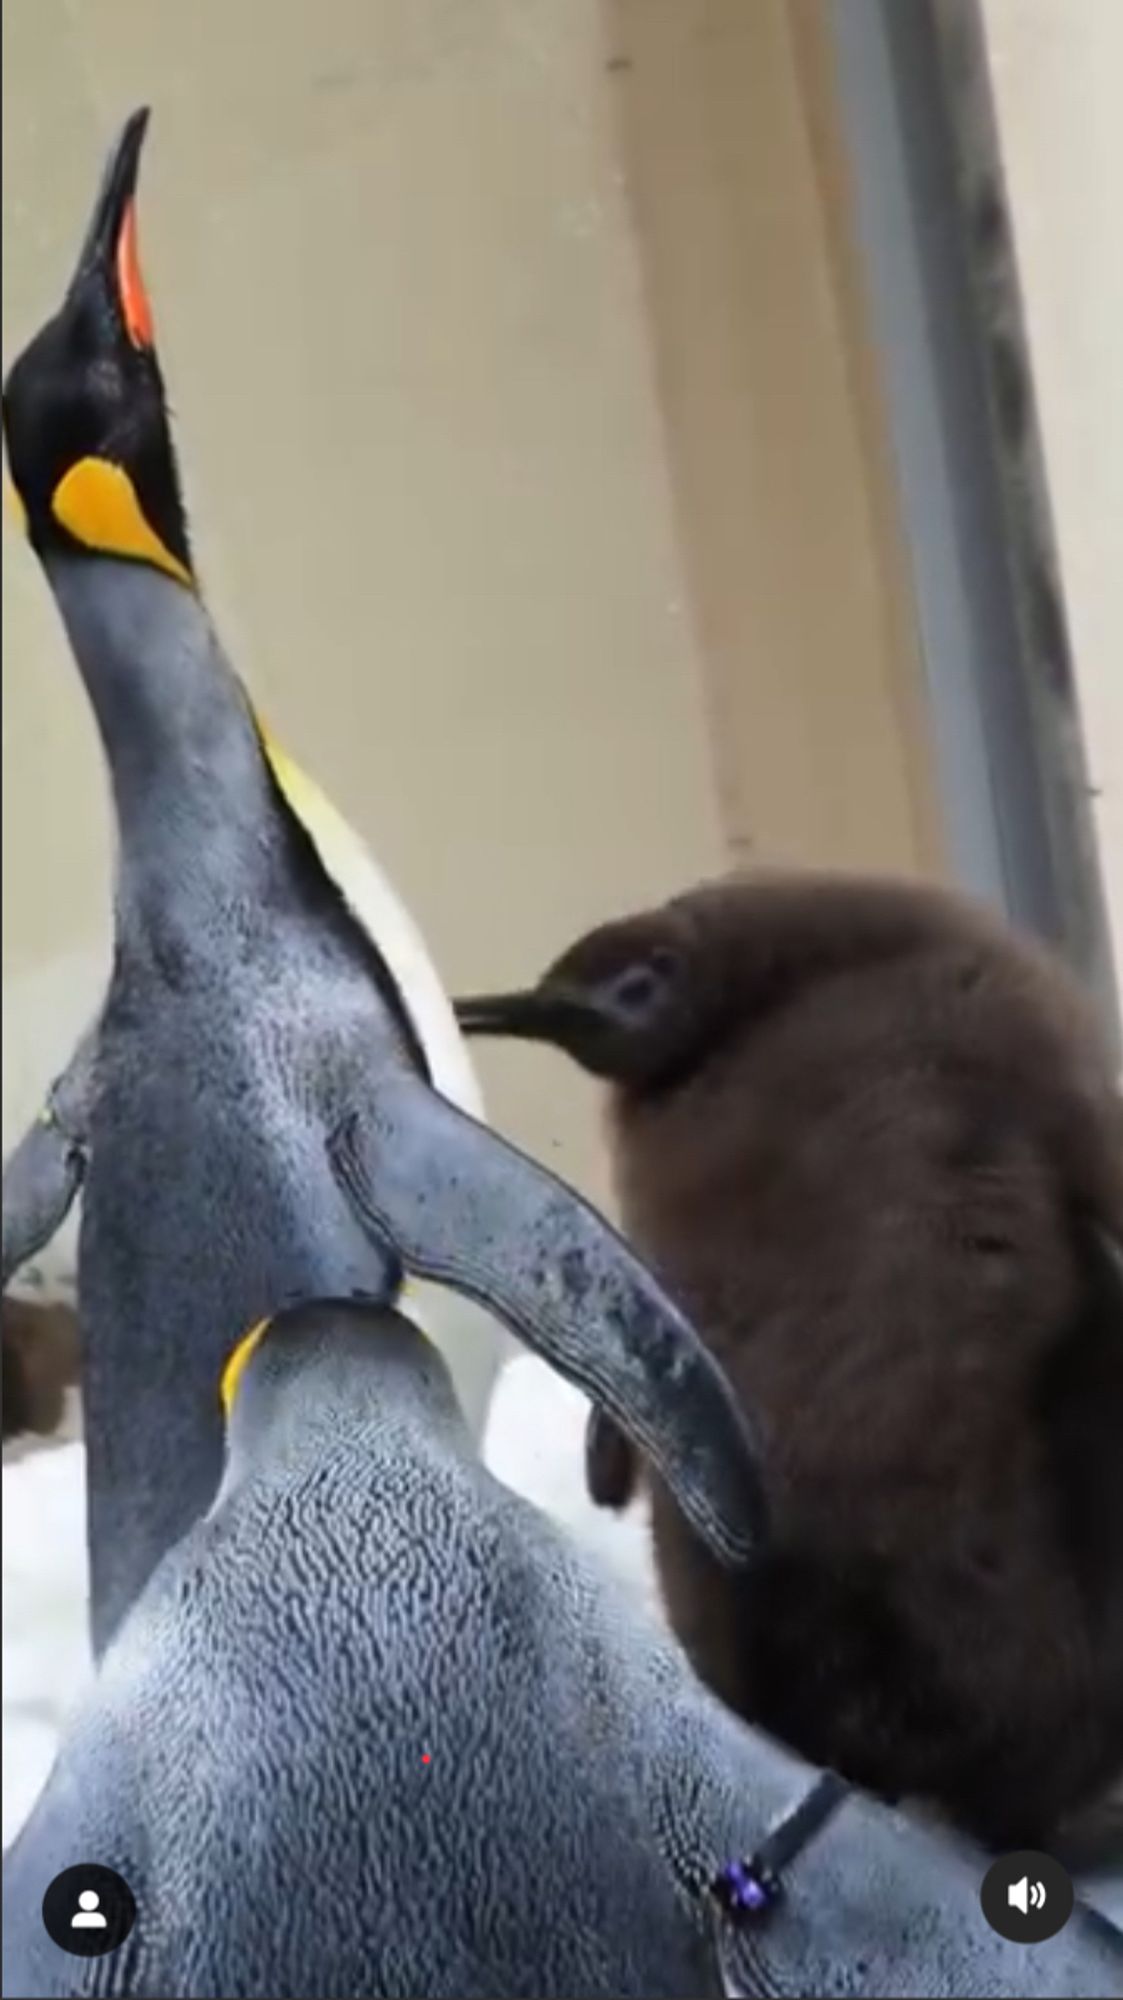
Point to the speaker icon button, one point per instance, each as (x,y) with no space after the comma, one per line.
(1027,1897)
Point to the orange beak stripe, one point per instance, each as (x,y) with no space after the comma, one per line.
(130,284)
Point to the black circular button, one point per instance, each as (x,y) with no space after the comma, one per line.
(1027,1897)
(89,1910)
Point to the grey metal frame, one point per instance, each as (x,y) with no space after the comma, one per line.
(933,231)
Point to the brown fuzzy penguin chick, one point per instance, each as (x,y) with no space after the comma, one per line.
(873,1142)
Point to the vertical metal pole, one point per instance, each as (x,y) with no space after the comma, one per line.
(930,216)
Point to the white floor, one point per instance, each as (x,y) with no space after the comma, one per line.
(45,1652)
(534,1441)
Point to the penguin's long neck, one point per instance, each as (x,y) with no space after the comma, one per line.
(195,804)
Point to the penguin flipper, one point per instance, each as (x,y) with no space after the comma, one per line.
(45,1168)
(466,1209)
(611,1465)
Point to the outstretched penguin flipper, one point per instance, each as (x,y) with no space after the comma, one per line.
(468,1210)
(45,1169)
(611,1466)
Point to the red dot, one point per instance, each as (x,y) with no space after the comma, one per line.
(424,1756)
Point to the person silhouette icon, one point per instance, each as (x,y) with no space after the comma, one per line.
(88,1910)
(88,1917)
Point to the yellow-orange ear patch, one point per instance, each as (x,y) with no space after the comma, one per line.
(97,503)
(236,1364)
(135,308)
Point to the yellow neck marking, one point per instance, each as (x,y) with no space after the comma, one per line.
(236,1364)
(303,796)
(408,1302)
(97,503)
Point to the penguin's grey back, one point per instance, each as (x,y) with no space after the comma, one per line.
(375,1729)
(293,1738)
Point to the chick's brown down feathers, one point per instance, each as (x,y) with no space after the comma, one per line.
(874,1145)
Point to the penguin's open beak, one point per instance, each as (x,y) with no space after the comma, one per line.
(108,256)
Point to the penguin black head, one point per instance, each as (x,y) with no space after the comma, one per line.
(89,444)
(630,1001)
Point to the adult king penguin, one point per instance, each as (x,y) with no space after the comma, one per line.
(376,1728)
(258,1125)
(874,1142)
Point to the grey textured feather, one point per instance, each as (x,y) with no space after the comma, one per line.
(362,1596)
(464,1208)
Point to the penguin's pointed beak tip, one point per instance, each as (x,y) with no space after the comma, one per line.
(109,252)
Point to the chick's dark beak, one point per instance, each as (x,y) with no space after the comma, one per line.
(559,1016)
(519,1014)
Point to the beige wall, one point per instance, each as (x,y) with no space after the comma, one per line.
(1056,66)
(774,430)
(526,425)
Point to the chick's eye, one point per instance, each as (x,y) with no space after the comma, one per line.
(639,990)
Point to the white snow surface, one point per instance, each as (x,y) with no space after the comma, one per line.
(534,1442)
(46,1654)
